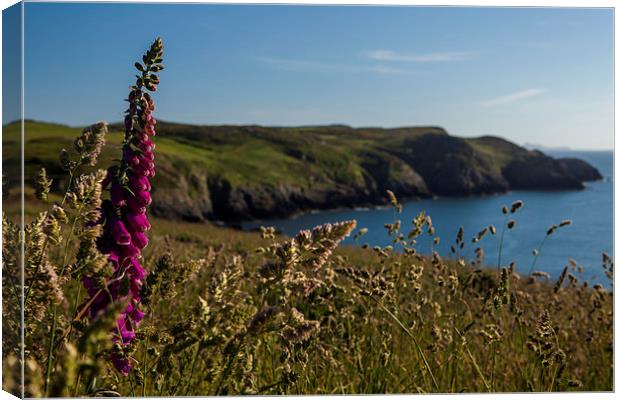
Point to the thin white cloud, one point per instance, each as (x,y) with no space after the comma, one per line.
(315,66)
(389,55)
(512,97)
(385,70)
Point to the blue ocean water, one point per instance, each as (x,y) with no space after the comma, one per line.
(591,233)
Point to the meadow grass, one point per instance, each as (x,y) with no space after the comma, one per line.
(382,320)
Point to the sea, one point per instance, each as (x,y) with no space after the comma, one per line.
(584,241)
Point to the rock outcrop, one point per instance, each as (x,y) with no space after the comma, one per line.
(337,172)
(234,173)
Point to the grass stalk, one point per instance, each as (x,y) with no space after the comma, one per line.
(412,336)
(538,250)
(475,364)
(501,244)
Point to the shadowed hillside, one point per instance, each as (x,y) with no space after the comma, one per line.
(233,173)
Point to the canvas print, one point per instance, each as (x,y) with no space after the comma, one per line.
(230,199)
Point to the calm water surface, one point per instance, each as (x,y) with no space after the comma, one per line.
(591,233)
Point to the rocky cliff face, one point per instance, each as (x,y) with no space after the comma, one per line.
(540,172)
(451,166)
(233,173)
(412,165)
(579,169)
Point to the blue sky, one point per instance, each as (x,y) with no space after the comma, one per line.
(11,63)
(533,75)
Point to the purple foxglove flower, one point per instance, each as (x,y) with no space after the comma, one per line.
(135,286)
(148,155)
(124,237)
(134,313)
(151,143)
(140,137)
(130,156)
(106,244)
(88,284)
(139,239)
(117,195)
(137,315)
(139,183)
(146,163)
(143,198)
(125,328)
(121,364)
(119,232)
(149,130)
(135,206)
(146,146)
(141,170)
(138,222)
(137,271)
(131,251)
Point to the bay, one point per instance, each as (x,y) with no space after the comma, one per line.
(589,235)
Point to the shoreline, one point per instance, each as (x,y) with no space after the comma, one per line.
(405,199)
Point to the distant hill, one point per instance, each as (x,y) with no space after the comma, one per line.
(533,146)
(233,173)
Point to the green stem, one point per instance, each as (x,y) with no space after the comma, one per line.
(412,336)
(75,309)
(476,366)
(191,372)
(77,385)
(501,244)
(50,356)
(493,370)
(145,362)
(538,250)
(229,365)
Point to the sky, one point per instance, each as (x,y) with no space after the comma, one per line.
(11,63)
(531,75)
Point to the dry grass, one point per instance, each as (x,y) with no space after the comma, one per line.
(244,312)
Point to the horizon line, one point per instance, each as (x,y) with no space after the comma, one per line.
(532,146)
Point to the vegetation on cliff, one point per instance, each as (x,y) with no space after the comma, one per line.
(243,172)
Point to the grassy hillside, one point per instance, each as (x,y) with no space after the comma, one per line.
(244,172)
